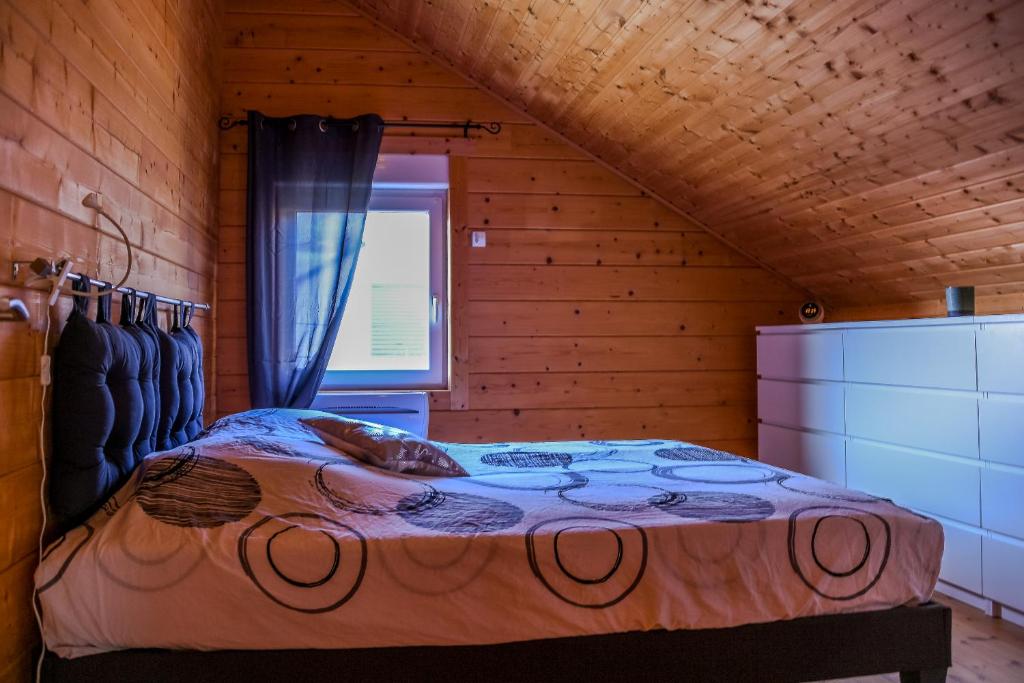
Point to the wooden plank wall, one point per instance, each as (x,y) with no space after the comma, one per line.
(593,312)
(115,97)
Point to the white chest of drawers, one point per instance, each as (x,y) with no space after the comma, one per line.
(929,413)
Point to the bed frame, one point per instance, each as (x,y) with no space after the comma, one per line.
(915,641)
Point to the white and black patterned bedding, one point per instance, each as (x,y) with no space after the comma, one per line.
(257,535)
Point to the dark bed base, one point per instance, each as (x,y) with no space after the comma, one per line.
(915,641)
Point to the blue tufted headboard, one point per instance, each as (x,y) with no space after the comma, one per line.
(109,384)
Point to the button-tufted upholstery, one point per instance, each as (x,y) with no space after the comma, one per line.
(167,435)
(149,361)
(120,392)
(193,382)
(147,324)
(98,411)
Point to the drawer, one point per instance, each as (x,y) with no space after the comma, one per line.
(1001,571)
(939,357)
(1002,502)
(816,355)
(816,455)
(801,404)
(936,485)
(932,420)
(1001,357)
(961,558)
(1001,421)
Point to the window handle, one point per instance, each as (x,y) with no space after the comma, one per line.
(435,309)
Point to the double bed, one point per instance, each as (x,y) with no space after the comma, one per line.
(258,552)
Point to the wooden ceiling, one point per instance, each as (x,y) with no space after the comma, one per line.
(869,150)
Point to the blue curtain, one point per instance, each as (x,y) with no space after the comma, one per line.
(309,188)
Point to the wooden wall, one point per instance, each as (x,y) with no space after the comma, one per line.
(594,311)
(115,97)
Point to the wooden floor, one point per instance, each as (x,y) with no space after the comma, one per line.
(984,649)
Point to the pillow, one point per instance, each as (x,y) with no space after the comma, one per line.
(170,390)
(98,407)
(386,447)
(148,348)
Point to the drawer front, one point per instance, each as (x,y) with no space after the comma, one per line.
(1002,503)
(1001,571)
(817,355)
(942,358)
(934,421)
(1001,358)
(801,404)
(1002,429)
(816,455)
(937,485)
(961,558)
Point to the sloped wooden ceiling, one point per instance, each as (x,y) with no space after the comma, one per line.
(870,151)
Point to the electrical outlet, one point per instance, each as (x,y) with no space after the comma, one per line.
(479,239)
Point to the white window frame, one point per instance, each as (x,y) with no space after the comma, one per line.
(395,196)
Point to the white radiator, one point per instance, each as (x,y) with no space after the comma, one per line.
(408,410)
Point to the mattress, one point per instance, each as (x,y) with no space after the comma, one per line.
(259,536)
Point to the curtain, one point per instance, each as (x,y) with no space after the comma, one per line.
(309,188)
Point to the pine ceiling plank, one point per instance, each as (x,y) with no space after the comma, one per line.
(910,260)
(678,82)
(968,224)
(530,42)
(615,39)
(830,87)
(942,146)
(882,195)
(500,36)
(540,83)
(797,127)
(479,25)
(547,52)
(773,53)
(453,23)
(866,147)
(680,34)
(684,109)
(953,127)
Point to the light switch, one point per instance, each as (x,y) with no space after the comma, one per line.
(479,238)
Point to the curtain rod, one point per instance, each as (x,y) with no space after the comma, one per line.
(494,127)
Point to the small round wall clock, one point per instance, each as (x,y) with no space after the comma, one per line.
(812,312)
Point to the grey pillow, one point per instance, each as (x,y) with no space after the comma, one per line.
(386,447)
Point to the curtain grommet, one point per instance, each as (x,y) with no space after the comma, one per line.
(292,125)
(323,125)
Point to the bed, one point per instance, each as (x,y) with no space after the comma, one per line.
(257,552)
(253,551)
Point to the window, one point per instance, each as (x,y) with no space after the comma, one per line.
(394,330)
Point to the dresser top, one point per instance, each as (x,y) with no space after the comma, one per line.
(908,322)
